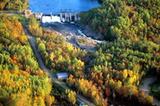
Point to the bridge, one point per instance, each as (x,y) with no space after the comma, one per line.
(62,16)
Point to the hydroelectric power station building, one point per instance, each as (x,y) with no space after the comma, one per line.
(63,16)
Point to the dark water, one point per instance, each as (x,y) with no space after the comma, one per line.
(54,6)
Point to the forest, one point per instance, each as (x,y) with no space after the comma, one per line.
(22,82)
(131,52)
(112,74)
(129,19)
(131,29)
(13,5)
(61,56)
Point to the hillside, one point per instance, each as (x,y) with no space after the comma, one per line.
(131,29)
(22,82)
(129,19)
(123,69)
(17,5)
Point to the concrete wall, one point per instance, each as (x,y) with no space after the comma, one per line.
(68,17)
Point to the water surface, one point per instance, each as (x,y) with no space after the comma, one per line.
(55,6)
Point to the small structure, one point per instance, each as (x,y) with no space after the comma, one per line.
(62,75)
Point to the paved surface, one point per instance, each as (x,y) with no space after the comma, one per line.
(43,67)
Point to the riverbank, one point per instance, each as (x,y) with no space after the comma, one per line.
(76,35)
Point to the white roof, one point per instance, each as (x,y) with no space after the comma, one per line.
(50,19)
(62,75)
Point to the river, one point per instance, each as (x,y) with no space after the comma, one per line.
(56,6)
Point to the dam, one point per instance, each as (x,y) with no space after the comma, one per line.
(63,16)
